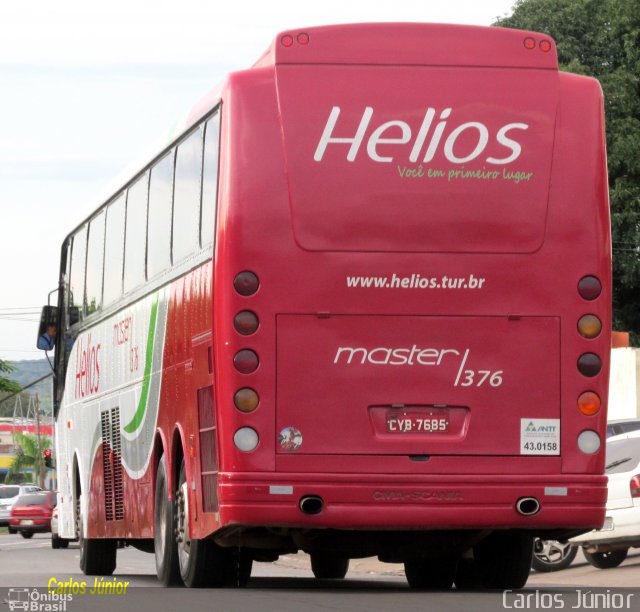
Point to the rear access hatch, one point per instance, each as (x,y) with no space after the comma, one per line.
(418,385)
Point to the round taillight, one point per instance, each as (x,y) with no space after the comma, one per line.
(287,40)
(303,38)
(589,403)
(246,322)
(246,361)
(529,43)
(246,399)
(545,46)
(246,283)
(246,439)
(589,364)
(589,442)
(589,326)
(589,287)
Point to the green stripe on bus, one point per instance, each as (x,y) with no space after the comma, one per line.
(142,404)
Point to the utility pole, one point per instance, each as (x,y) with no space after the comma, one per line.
(39,467)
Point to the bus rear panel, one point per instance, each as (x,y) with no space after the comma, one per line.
(420,224)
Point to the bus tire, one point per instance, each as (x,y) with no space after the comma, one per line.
(203,563)
(97,555)
(503,559)
(431,574)
(326,566)
(606,560)
(164,540)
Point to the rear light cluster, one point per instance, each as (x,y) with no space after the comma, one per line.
(589,363)
(246,360)
(287,40)
(634,486)
(530,43)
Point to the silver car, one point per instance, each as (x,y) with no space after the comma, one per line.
(9,495)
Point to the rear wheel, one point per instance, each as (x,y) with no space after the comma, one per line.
(503,559)
(12,530)
(329,567)
(97,556)
(55,542)
(164,520)
(430,574)
(26,534)
(606,560)
(552,555)
(203,563)
(467,576)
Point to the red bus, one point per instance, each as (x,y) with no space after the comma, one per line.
(361,306)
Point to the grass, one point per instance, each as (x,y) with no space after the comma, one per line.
(4,530)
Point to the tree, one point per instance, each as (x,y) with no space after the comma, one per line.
(601,38)
(6,384)
(29,455)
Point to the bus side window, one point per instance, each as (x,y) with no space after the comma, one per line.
(186,198)
(78,261)
(95,264)
(136,233)
(114,251)
(210,180)
(159,217)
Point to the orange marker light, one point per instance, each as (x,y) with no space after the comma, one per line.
(589,403)
(246,399)
(589,326)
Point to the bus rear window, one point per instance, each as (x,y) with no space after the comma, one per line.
(409,161)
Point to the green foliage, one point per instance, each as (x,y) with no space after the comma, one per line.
(29,455)
(6,384)
(601,38)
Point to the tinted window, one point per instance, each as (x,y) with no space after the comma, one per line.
(160,197)
(136,234)
(95,263)
(78,260)
(7,492)
(630,426)
(186,197)
(32,499)
(114,251)
(210,180)
(622,455)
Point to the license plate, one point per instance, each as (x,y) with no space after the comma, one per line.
(608,524)
(26,522)
(417,422)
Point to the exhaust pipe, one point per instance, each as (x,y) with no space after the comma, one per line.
(311,504)
(528,506)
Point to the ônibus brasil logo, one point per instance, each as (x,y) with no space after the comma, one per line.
(504,137)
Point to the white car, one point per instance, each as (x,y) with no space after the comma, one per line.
(56,540)
(9,496)
(608,547)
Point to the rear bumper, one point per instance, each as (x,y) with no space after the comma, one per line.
(38,526)
(374,501)
(626,529)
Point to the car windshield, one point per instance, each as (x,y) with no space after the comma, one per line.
(622,455)
(8,492)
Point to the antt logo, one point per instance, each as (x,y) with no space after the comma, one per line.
(403,135)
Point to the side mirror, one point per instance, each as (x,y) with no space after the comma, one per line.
(48,328)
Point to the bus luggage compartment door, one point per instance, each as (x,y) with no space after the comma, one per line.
(418,384)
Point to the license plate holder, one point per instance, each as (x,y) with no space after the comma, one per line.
(26,522)
(608,524)
(417,420)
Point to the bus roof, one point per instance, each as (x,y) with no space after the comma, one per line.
(421,44)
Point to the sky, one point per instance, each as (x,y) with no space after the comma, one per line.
(87,90)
